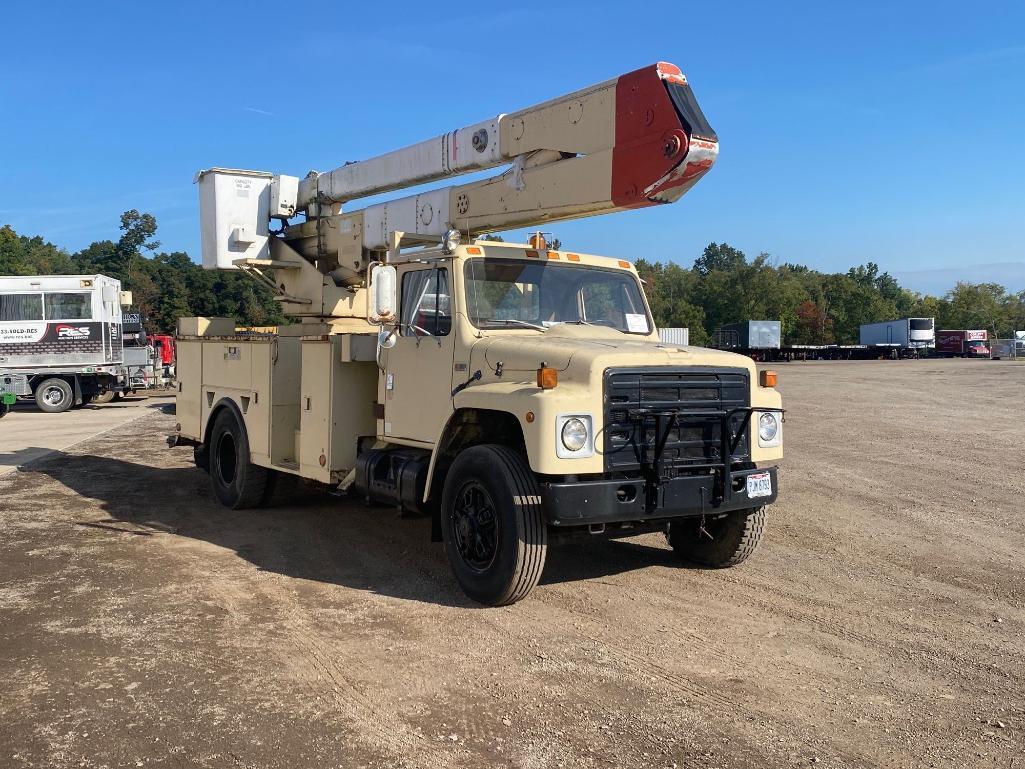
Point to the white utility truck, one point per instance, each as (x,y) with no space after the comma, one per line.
(60,339)
(514,393)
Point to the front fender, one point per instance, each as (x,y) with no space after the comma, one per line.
(536,411)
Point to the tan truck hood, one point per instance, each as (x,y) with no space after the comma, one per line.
(585,347)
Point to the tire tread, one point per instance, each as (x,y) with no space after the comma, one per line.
(737,546)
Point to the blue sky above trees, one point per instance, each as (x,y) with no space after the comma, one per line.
(888,132)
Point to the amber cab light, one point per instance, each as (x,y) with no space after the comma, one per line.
(769,379)
(547,378)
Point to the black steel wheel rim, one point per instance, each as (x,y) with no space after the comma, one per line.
(226,459)
(475,526)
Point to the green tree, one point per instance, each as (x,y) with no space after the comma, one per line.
(719,256)
(978,305)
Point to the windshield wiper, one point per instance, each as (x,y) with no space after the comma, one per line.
(589,323)
(518,322)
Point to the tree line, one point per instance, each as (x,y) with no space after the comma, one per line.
(722,286)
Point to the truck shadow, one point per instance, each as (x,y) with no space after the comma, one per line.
(305,533)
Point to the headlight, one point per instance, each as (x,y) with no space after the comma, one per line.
(768,427)
(574,434)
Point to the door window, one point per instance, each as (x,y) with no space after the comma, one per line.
(426,304)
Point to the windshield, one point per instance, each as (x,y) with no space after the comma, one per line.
(505,293)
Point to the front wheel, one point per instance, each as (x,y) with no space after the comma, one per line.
(55,396)
(718,542)
(494,530)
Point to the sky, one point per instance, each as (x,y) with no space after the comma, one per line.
(890,132)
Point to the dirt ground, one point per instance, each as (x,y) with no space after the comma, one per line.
(880,624)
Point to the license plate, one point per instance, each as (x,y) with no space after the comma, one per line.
(759,485)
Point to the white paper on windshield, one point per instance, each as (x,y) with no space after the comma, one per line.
(636,323)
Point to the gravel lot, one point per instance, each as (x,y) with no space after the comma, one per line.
(880,624)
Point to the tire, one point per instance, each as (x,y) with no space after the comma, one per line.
(106,397)
(237,483)
(4,408)
(718,543)
(54,396)
(494,531)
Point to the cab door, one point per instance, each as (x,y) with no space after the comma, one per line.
(418,369)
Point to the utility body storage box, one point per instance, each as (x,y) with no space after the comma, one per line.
(306,396)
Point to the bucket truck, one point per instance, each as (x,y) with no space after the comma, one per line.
(515,393)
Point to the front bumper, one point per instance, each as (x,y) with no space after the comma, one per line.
(620,501)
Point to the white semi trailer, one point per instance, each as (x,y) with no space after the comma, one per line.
(60,339)
(902,336)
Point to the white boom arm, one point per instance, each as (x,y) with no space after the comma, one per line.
(636,140)
(467,149)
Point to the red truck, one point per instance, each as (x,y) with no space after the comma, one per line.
(962,343)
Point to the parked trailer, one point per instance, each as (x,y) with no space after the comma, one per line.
(759,339)
(60,338)
(905,336)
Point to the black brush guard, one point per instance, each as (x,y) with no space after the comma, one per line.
(676,443)
(653,469)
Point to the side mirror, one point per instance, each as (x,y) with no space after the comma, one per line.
(383,296)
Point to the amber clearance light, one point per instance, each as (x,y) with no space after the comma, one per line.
(768,379)
(547,378)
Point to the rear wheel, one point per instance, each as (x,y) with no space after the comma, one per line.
(54,396)
(495,534)
(237,482)
(717,541)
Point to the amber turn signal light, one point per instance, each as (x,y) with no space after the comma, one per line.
(768,379)
(547,378)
